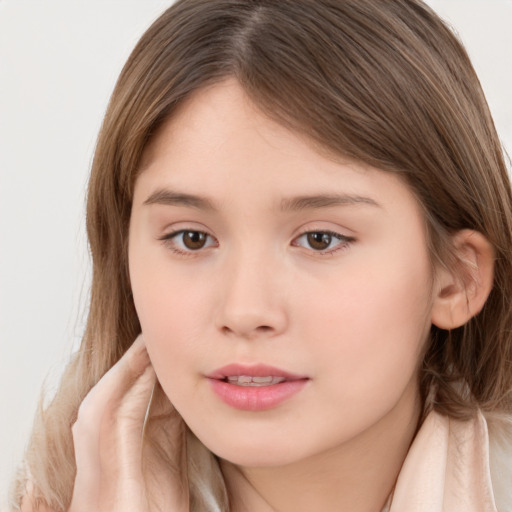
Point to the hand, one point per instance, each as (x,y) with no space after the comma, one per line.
(117,470)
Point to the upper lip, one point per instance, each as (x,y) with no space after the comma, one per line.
(252,370)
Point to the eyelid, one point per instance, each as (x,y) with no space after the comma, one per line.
(344,240)
(168,240)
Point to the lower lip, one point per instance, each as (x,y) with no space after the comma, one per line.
(256,398)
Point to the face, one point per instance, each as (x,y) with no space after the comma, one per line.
(284,296)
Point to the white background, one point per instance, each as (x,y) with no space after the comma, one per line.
(58,64)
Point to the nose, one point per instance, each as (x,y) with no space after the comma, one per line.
(252,302)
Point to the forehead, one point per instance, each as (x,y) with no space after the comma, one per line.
(215,115)
(219,144)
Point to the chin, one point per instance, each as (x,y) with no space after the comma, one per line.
(254,456)
(252,451)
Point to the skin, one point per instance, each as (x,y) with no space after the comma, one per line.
(109,450)
(353,319)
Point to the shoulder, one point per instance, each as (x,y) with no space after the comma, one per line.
(500,459)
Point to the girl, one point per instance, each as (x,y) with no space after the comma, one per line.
(303,207)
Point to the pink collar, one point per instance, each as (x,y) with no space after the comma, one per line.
(446,469)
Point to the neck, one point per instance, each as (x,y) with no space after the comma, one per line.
(357,476)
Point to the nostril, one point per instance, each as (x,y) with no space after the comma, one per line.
(249,333)
(264,328)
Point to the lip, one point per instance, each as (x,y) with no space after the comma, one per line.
(255,398)
(253,370)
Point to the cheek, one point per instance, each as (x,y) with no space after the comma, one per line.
(371,327)
(174,316)
(164,298)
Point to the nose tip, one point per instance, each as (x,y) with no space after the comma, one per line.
(251,305)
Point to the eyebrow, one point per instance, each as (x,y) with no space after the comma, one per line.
(168,197)
(171,198)
(325,201)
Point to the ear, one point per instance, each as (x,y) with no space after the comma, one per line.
(460,292)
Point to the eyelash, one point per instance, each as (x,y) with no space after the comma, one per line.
(168,241)
(344,241)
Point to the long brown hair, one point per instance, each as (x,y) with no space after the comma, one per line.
(382,81)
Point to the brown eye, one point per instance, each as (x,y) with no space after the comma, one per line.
(319,241)
(323,242)
(187,241)
(194,240)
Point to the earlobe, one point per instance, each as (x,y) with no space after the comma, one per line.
(461,292)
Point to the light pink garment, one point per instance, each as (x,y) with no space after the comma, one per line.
(446,469)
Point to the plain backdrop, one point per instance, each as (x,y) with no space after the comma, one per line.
(58,64)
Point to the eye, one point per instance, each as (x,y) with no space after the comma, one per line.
(322,241)
(186,241)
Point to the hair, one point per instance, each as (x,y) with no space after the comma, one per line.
(384,82)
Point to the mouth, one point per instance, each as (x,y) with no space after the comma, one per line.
(255,387)
(248,380)
(253,375)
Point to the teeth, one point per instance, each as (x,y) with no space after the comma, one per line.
(262,380)
(247,380)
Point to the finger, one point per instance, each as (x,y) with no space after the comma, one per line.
(97,410)
(113,385)
(109,457)
(120,448)
(122,430)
